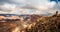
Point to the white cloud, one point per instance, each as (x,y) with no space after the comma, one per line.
(7,7)
(41,6)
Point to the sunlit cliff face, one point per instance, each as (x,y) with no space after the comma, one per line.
(16,29)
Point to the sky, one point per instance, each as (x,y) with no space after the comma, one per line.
(29,6)
(55,1)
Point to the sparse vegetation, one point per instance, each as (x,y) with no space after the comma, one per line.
(33,23)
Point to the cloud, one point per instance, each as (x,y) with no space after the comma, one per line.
(25,6)
(39,4)
(12,1)
(7,7)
